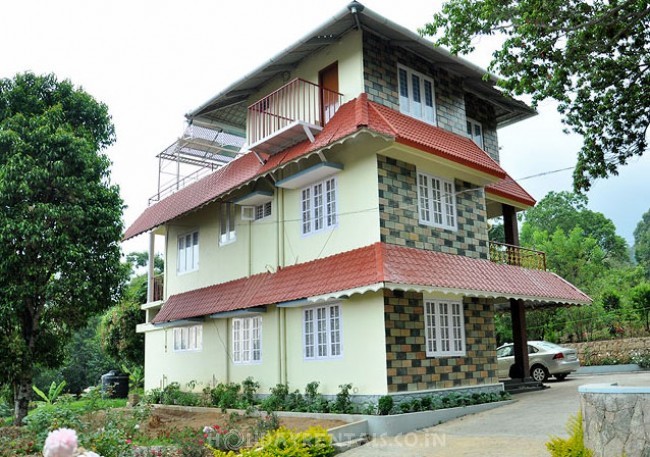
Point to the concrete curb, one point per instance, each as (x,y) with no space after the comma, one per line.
(397,424)
(607,369)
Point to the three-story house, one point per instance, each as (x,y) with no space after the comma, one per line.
(347,241)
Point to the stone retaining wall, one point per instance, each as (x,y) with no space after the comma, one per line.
(616,420)
(609,351)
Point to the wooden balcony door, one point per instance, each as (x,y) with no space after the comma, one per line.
(328,80)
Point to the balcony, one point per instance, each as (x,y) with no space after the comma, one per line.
(157,286)
(295,112)
(517,256)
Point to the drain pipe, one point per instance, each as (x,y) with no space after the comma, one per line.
(355,8)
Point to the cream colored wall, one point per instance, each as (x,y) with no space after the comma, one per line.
(255,247)
(357,200)
(363,362)
(364,349)
(347,52)
(163,366)
(260,245)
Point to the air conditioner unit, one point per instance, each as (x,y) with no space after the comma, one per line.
(247,213)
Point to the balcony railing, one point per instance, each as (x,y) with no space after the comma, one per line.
(296,110)
(518,256)
(157,285)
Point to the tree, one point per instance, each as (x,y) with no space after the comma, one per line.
(117,330)
(574,256)
(566,211)
(641,302)
(61,223)
(642,242)
(84,363)
(592,57)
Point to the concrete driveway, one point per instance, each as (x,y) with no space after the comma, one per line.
(521,428)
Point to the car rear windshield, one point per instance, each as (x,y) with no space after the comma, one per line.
(549,346)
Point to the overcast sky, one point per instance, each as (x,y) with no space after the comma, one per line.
(153,61)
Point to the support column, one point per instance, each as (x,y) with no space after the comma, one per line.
(510,226)
(521,369)
(150,270)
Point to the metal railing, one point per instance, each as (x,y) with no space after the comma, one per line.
(517,256)
(298,100)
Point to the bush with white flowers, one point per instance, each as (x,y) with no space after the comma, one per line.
(63,443)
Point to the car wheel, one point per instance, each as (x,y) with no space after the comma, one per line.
(538,373)
(561,376)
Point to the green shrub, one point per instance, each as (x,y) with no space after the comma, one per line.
(249,389)
(171,395)
(642,358)
(315,442)
(343,403)
(385,405)
(226,395)
(277,401)
(47,418)
(108,441)
(316,403)
(574,445)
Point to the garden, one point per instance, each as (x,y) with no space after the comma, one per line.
(234,420)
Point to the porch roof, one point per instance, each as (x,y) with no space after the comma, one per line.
(374,267)
(356,116)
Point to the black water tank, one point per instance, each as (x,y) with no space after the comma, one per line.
(115,384)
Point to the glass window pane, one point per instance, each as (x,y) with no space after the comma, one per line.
(416,88)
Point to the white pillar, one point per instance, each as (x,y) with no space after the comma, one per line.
(150,271)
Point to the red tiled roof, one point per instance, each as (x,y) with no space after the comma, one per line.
(350,118)
(510,189)
(437,141)
(370,265)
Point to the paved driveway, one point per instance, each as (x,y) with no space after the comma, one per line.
(515,430)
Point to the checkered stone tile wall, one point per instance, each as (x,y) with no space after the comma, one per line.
(399,223)
(453,104)
(409,368)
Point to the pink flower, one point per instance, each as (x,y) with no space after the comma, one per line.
(60,443)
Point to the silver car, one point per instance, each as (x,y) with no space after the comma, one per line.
(545,359)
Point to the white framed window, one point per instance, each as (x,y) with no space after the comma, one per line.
(444,325)
(188,252)
(227,223)
(416,94)
(188,338)
(247,340)
(262,211)
(318,207)
(436,201)
(322,333)
(475,132)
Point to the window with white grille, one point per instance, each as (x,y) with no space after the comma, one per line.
(188,252)
(188,338)
(318,207)
(436,201)
(475,132)
(444,328)
(416,95)
(322,332)
(227,223)
(262,211)
(247,340)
